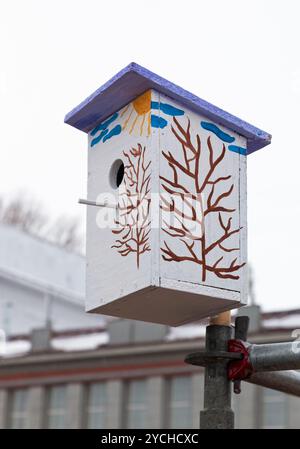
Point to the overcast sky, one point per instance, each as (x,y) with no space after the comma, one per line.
(241,56)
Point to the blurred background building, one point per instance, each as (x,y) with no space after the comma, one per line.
(40,283)
(63,368)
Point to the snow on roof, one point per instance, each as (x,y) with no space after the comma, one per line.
(289,321)
(87,340)
(41,263)
(83,342)
(186,332)
(14,348)
(80,342)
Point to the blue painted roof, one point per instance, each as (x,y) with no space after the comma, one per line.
(132,81)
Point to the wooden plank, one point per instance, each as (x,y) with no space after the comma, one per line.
(165,306)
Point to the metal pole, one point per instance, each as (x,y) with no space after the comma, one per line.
(285,381)
(241,359)
(95,203)
(275,356)
(217,413)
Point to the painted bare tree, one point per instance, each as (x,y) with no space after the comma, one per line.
(195,188)
(133,222)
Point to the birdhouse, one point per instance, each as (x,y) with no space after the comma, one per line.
(166,200)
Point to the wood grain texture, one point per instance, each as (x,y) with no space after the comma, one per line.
(223,319)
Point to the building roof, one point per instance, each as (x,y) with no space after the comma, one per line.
(132,81)
(279,325)
(40,264)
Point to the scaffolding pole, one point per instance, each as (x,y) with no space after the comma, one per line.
(285,381)
(274,356)
(217,413)
(228,360)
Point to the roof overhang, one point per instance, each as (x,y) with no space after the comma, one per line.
(132,81)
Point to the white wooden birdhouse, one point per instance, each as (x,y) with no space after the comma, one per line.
(166,220)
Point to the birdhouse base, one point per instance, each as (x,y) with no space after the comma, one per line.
(169,305)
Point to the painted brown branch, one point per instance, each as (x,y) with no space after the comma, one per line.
(170,158)
(169,255)
(213,163)
(188,165)
(133,224)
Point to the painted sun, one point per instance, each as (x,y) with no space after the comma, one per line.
(137,115)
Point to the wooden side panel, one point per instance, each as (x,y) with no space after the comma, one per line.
(244,230)
(155,184)
(203,217)
(119,240)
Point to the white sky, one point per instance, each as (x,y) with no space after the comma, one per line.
(241,56)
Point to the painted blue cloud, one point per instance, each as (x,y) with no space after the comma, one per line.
(158,122)
(114,132)
(166,108)
(104,125)
(217,131)
(237,149)
(105,133)
(98,138)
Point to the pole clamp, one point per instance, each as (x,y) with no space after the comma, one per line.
(239,369)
